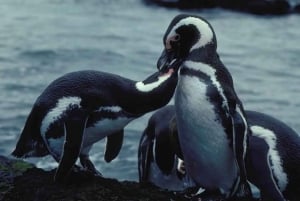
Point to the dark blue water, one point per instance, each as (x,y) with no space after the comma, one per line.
(41,40)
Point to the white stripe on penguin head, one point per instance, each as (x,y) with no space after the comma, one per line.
(206,34)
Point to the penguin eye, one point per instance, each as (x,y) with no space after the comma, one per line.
(177,37)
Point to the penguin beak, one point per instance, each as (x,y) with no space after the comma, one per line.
(168,60)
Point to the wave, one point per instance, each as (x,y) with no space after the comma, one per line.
(38,54)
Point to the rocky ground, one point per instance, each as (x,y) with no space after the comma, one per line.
(37,185)
(20,181)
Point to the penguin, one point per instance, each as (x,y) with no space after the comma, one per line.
(158,154)
(213,145)
(272,160)
(80,108)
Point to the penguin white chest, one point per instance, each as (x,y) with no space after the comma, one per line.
(103,128)
(206,149)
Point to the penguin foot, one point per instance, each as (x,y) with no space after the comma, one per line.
(76,168)
(89,166)
(242,193)
(209,195)
(79,174)
(96,173)
(196,194)
(79,169)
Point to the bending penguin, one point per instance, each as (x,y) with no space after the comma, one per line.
(217,142)
(80,108)
(272,161)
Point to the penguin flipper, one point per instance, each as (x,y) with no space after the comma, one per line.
(145,156)
(240,136)
(174,138)
(113,145)
(74,130)
(164,154)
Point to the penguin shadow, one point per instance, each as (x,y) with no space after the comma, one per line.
(271,141)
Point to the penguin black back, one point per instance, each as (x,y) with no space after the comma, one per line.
(282,145)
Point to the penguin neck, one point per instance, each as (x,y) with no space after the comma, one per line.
(206,55)
(151,93)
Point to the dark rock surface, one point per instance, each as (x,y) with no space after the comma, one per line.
(297,8)
(21,181)
(10,169)
(185,4)
(260,7)
(36,184)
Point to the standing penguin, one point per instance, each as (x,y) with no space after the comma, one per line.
(213,145)
(81,108)
(272,160)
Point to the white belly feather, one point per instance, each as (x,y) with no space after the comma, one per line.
(104,128)
(208,157)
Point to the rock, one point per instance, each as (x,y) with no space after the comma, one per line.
(261,7)
(10,169)
(184,4)
(297,8)
(37,184)
(22,181)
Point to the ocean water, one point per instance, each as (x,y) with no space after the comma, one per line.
(41,40)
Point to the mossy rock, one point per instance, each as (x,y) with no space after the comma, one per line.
(9,170)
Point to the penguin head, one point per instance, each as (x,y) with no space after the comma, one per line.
(186,35)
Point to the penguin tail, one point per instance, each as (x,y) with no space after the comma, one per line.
(30,143)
